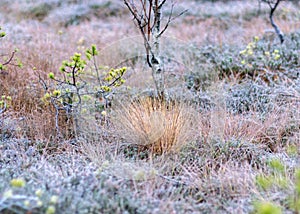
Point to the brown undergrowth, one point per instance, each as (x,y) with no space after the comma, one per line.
(29,117)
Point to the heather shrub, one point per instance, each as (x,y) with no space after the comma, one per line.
(261,59)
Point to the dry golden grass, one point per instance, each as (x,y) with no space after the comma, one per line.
(35,120)
(26,107)
(160,126)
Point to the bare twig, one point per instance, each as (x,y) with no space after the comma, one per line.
(42,81)
(10,59)
(172,18)
(140,25)
(161,4)
(273,4)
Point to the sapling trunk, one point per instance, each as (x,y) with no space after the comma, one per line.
(157,71)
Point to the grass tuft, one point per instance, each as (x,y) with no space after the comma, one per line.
(161,126)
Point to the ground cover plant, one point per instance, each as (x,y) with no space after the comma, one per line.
(86,126)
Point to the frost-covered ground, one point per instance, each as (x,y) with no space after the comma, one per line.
(234,92)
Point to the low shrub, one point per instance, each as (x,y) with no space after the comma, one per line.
(80,90)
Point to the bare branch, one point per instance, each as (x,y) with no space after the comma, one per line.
(141,26)
(161,4)
(143,3)
(130,7)
(170,19)
(168,22)
(42,81)
(273,4)
(147,16)
(10,59)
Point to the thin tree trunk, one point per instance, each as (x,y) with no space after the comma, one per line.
(157,71)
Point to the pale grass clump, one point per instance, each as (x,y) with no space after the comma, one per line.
(151,123)
(278,127)
(230,179)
